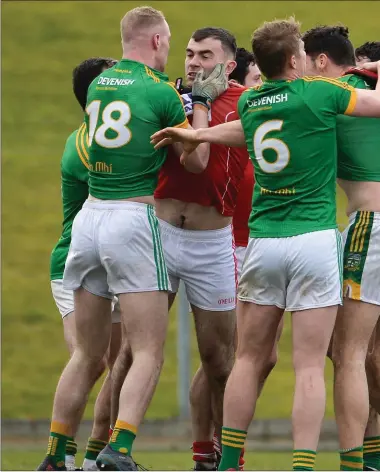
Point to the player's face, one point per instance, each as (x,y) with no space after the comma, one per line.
(163,47)
(253,77)
(205,54)
(360,60)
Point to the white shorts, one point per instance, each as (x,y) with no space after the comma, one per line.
(205,262)
(64,299)
(361,270)
(295,273)
(115,248)
(240,252)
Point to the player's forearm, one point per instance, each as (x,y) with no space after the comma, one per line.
(228,134)
(197,161)
(368,101)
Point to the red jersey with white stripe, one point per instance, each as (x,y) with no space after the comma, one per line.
(243,207)
(219,184)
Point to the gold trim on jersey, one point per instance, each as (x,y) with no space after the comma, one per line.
(184,124)
(78,146)
(151,74)
(352,103)
(336,82)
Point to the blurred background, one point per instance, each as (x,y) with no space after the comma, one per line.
(42,42)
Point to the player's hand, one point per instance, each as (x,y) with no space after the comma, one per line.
(207,89)
(168,136)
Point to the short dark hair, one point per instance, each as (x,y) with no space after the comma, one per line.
(85,73)
(243,60)
(370,49)
(274,43)
(332,41)
(227,39)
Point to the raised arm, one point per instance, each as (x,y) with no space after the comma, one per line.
(368,101)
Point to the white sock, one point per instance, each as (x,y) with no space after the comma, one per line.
(89,464)
(70,462)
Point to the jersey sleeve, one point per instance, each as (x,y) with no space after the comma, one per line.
(169,105)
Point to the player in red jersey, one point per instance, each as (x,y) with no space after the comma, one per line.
(195,212)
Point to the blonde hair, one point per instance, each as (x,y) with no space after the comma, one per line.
(138,19)
(274,43)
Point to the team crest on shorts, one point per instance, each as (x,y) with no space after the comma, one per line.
(353,261)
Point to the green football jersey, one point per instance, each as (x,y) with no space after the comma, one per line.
(358,142)
(290,131)
(74,188)
(126,104)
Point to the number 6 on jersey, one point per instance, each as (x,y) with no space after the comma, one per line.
(260,144)
(118,125)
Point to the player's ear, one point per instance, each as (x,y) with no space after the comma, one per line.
(156,40)
(230,67)
(293,62)
(321,61)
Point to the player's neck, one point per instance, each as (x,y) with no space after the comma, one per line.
(138,55)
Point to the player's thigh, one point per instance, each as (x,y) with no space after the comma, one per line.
(215,331)
(263,279)
(208,269)
(311,331)
(131,251)
(64,299)
(240,252)
(257,328)
(314,270)
(92,323)
(361,275)
(116,334)
(145,318)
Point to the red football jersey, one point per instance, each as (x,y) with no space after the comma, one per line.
(219,184)
(243,208)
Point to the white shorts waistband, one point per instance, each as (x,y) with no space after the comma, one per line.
(197,235)
(116,205)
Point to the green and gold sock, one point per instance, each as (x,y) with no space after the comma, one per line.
(232,444)
(94,446)
(303,459)
(59,435)
(351,459)
(71,447)
(122,437)
(371,452)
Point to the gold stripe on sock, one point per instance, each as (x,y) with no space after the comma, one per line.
(302,459)
(371,449)
(232,438)
(232,433)
(60,428)
(352,465)
(237,446)
(124,425)
(307,454)
(371,441)
(302,464)
(352,454)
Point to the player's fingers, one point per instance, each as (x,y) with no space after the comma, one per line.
(199,76)
(164,142)
(217,71)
